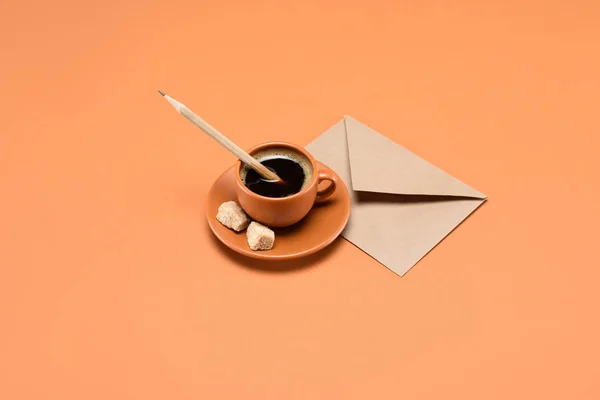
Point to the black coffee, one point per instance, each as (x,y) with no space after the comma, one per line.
(287,169)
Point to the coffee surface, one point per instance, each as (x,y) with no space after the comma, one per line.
(287,169)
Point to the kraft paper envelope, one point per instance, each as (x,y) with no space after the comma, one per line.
(402,206)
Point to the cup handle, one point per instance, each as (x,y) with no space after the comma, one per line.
(325,174)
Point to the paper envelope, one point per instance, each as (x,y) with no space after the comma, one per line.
(402,206)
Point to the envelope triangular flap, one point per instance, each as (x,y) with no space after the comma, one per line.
(380,165)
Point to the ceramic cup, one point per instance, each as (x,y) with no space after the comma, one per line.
(285,211)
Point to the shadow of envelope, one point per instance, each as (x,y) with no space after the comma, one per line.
(402,206)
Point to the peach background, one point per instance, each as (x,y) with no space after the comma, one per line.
(113,288)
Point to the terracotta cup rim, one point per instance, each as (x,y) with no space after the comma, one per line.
(263,146)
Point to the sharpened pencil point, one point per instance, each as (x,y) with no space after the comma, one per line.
(161,92)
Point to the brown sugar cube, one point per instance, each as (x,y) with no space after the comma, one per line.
(232,216)
(260,237)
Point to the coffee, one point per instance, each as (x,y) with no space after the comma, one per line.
(294,169)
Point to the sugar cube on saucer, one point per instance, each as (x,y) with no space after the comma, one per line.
(260,237)
(232,216)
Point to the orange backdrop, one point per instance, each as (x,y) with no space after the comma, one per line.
(112,286)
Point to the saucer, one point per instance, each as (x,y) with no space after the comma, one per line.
(319,228)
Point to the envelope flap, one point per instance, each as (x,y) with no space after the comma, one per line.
(378,164)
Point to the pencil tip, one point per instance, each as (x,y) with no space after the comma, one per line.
(161,92)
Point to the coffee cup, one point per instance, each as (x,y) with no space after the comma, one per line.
(281,206)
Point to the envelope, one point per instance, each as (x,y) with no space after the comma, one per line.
(402,206)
